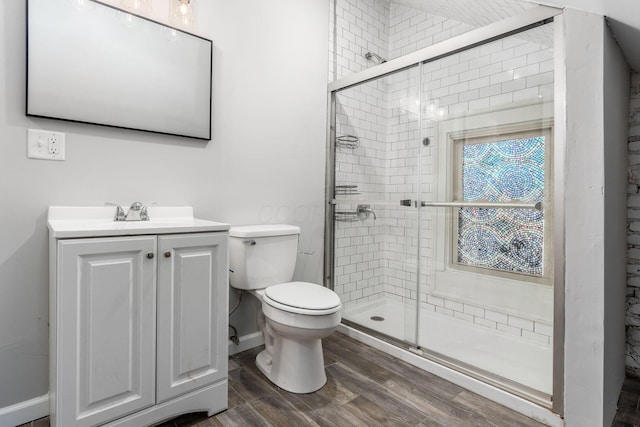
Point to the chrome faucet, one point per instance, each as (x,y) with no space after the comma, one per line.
(363,212)
(119,216)
(137,212)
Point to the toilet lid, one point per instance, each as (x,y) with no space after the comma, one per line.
(302,295)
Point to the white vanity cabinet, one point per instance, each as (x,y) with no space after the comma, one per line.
(106,329)
(192,313)
(138,322)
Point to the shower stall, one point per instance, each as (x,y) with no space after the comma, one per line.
(440,195)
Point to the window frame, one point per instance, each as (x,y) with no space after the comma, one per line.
(456,142)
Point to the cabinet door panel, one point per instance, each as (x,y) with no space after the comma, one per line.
(106,333)
(192,312)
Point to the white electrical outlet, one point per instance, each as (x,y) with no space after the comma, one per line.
(54,145)
(45,144)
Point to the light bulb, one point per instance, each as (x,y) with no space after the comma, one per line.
(140,7)
(182,13)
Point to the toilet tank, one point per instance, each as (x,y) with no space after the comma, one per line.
(262,255)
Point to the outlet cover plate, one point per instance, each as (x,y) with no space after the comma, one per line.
(45,144)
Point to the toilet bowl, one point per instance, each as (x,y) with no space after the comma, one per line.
(295,316)
(292,358)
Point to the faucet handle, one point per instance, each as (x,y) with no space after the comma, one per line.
(144,214)
(363,212)
(119,216)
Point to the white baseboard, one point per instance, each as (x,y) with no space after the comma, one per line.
(246,342)
(23,412)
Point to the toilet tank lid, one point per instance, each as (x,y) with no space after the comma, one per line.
(265,230)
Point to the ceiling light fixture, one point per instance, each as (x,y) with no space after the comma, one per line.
(140,7)
(182,13)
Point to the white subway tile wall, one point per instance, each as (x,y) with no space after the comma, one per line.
(377,259)
(411,29)
(361,26)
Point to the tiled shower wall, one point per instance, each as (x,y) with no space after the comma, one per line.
(376,259)
(633,234)
(411,29)
(362,26)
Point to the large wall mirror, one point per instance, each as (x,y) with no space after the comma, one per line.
(93,63)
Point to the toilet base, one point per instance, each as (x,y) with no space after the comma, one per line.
(296,366)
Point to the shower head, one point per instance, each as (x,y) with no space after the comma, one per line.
(374,57)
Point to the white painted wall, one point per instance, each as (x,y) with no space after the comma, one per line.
(265,162)
(584,250)
(596,131)
(624,19)
(595,6)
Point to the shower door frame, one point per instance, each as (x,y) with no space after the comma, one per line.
(532,18)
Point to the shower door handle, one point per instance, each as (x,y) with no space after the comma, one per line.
(405,202)
(488,205)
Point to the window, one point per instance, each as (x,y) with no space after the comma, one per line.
(504,168)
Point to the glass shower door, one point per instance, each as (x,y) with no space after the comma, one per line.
(486,294)
(376,134)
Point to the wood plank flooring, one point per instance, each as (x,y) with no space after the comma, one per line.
(365,387)
(628,414)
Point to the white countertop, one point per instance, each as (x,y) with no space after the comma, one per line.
(95,221)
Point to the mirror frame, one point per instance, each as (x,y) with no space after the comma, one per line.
(35,109)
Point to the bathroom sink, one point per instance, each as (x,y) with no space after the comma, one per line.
(94,221)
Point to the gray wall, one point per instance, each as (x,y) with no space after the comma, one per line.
(265,162)
(633,233)
(617,81)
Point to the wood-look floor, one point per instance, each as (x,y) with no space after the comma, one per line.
(628,414)
(365,387)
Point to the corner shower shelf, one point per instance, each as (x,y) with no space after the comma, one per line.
(343,216)
(346,190)
(350,142)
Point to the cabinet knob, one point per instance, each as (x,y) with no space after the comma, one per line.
(150,255)
(167,254)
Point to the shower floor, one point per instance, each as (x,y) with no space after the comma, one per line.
(525,362)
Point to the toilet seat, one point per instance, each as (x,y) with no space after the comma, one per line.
(302,298)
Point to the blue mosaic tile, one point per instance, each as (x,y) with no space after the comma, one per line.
(503,239)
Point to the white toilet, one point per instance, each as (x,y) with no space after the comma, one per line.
(295,315)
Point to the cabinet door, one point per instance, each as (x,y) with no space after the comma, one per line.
(106,328)
(192,312)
